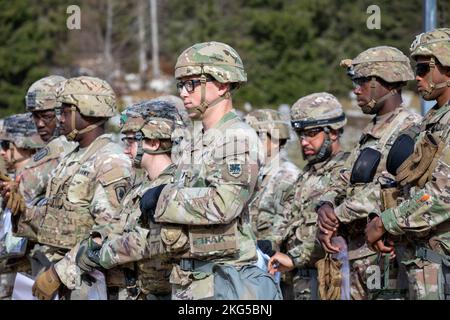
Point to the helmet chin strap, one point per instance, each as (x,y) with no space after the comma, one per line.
(324,151)
(427,93)
(137,161)
(74,133)
(375,104)
(199,110)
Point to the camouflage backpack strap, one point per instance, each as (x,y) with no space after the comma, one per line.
(394,125)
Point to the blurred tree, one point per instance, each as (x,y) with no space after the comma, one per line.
(30,34)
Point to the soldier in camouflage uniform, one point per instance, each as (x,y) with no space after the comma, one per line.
(378,73)
(421,222)
(318,119)
(275,177)
(213,184)
(41,102)
(87,186)
(19,141)
(135,247)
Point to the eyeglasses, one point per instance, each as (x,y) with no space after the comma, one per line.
(5,145)
(189,85)
(47,118)
(308,134)
(127,141)
(422,69)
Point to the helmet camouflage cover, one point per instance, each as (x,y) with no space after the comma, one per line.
(433,43)
(42,94)
(317,110)
(21,130)
(155,118)
(268,120)
(387,63)
(94,97)
(217,59)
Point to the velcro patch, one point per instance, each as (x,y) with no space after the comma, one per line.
(235,169)
(41,154)
(216,238)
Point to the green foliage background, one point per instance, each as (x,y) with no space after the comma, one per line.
(290,48)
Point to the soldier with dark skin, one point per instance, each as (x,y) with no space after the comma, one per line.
(378,74)
(420,223)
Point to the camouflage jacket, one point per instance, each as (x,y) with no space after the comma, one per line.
(300,238)
(354,202)
(426,221)
(214,182)
(269,205)
(132,243)
(85,190)
(34,179)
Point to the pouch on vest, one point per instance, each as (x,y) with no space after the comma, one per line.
(329,278)
(365,166)
(418,167)
(214,240)
(389,193)
(402,148)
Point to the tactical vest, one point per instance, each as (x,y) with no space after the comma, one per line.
(65,223)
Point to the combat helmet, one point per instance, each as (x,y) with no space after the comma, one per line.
(21,130)
(436,45)
(42,94)
(384,62)
(270,122)
(211,61)
(318,110)
(150,119)
(92,96)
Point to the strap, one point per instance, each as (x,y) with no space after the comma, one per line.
(94,147)
(196,265)
(432,256)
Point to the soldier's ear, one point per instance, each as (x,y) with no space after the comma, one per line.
(223,87)
(334,135)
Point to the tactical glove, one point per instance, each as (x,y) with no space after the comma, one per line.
(88,255)
(15,203)
(46,284)
(149,201)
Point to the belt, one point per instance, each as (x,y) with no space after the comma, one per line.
(196,265)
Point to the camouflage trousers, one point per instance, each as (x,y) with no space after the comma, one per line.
(223,282)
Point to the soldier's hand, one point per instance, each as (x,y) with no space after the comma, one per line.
(327,219)
(382,247)
(4,177)
(15,203)
(149,201)
(88,255)
(325,241)
(280,262)
(46,284)
(374,231)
